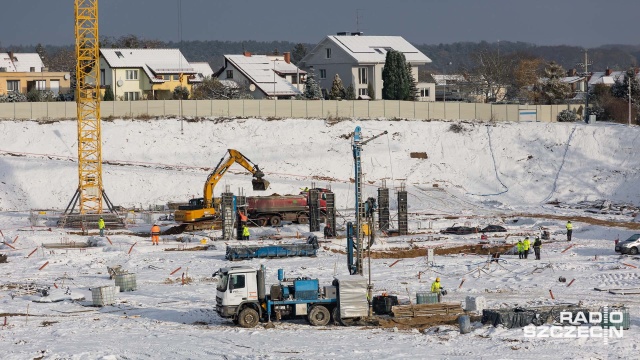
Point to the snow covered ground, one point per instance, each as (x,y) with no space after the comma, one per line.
(502,173)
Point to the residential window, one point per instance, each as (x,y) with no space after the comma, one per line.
(424,92)
(131,96)
(41,85)
(362,91)
(166,77)
(176,77)
(328,53)
(323,73)
(294,79)
(362,76)
(132,74)
(229,74)
(102,76)
(13,85)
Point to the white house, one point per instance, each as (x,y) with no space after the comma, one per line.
(266,76)
(359,61)
(136,74)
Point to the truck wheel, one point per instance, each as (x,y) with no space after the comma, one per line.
(319,316)
(335,316)
(303,219)
(262,221)
(633,251)
(275,220)
(248,318)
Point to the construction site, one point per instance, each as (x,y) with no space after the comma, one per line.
(238,238)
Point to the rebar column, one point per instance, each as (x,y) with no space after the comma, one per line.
(314,210)
(331,211)
(403,228)
(228,209)
(383,208)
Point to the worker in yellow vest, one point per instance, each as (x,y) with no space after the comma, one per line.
(520,246)
(245,232)
(101,226)
(435,288)
(569,230)
(526,245)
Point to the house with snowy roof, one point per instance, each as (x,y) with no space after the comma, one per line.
(23,72)
(137,74)
(203,70)
(359,60)
(264,76)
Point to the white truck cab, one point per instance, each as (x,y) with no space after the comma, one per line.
(237,285)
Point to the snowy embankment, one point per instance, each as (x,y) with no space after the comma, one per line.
(489,172)
(509,165)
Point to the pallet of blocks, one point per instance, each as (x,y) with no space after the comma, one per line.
(404,311)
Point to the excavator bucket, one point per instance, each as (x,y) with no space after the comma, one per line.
(260,184)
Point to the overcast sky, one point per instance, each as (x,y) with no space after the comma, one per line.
(545,22)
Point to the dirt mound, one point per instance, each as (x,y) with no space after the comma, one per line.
(418,252)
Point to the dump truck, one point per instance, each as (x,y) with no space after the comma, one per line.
(273,209)
(205,209)
(242,297)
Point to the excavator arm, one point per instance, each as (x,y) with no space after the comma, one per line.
(232,156)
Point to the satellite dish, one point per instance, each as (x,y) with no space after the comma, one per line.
(120,83)
(66,76)
(252,87)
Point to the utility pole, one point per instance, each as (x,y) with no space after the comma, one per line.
(629,81)
(585,66)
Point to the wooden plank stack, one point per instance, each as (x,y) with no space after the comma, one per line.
(403,311)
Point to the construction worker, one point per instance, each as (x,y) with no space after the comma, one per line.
(245,232)
(155,235)
(435,288)
(569,230)
(526,244)
(520,249)
(328,233)
(537,244)
(101,226)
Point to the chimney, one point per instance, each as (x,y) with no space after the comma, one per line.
(247,54)
(287,57)
(10,55)
(608,72)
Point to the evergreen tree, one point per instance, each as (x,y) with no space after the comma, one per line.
(312,90)
(621,88)
(370,91)
(395,77)
(554,91)
(350,93)
(180,93)
(42,53)
(413,85)
(108,94)
(337,89)
(299,51)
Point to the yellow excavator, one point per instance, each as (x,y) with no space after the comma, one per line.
(205,209)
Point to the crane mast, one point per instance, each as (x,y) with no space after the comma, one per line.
(89,195)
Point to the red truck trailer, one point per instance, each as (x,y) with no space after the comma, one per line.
(271,210)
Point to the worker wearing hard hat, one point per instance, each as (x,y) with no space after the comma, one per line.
(101,226)
(435,288)
(155,235)
(569,230)
(245,232)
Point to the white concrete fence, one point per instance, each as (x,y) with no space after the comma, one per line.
(388,109)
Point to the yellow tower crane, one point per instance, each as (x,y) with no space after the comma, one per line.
(90,193)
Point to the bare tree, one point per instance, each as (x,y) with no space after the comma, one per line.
(492,73)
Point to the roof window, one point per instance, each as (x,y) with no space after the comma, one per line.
(119,54)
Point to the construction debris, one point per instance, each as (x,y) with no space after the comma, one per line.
(401,311)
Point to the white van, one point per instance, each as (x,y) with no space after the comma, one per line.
(629,246)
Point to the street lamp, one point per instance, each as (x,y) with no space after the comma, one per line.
(444,96)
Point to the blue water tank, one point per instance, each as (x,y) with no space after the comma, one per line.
(306,289)
(280,274)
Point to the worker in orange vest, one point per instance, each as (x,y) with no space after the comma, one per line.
(155,234)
